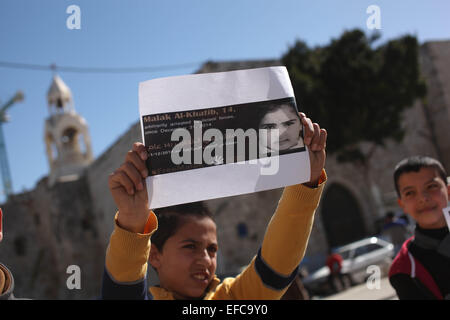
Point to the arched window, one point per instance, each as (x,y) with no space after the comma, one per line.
(69,137)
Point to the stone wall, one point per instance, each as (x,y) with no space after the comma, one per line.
(435,62)
(47,230)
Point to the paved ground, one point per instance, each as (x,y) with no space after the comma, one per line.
(362,292)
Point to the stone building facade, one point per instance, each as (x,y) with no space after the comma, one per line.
(69,222)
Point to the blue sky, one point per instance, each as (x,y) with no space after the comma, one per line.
(135,33)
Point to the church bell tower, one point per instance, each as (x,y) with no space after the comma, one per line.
(67,139)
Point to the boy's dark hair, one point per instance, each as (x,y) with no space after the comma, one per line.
(414,164)
(170,220)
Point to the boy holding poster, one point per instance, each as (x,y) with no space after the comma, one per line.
(181,243)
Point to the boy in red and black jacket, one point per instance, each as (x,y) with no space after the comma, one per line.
(421,270)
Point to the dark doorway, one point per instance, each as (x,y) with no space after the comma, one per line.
(341,217)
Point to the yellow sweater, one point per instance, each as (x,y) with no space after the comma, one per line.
(266,277)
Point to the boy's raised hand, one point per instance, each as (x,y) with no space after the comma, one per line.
(316,139)
(128,188)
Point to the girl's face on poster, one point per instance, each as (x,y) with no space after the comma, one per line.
(288,124)
(187,263)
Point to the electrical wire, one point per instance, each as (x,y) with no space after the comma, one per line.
(53,67)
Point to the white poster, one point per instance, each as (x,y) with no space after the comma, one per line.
(446,212)
(221,134)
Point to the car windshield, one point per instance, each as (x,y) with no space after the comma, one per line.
(366,249)
(345,254)
(355,252)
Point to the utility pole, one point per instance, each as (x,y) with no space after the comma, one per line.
(6,176)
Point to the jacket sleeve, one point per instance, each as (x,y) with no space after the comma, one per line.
(408,288)
(275,266)
(125,272)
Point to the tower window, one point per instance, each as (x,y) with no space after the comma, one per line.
(69,136)
(59,103)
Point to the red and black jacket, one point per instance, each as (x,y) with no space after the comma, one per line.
(421,269)
(405,263)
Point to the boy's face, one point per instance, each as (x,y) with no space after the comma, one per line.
(423,195)
(187,263)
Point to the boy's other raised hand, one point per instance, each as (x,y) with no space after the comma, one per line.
(316,139)
(128,188)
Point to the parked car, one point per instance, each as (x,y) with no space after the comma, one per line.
(357,256)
